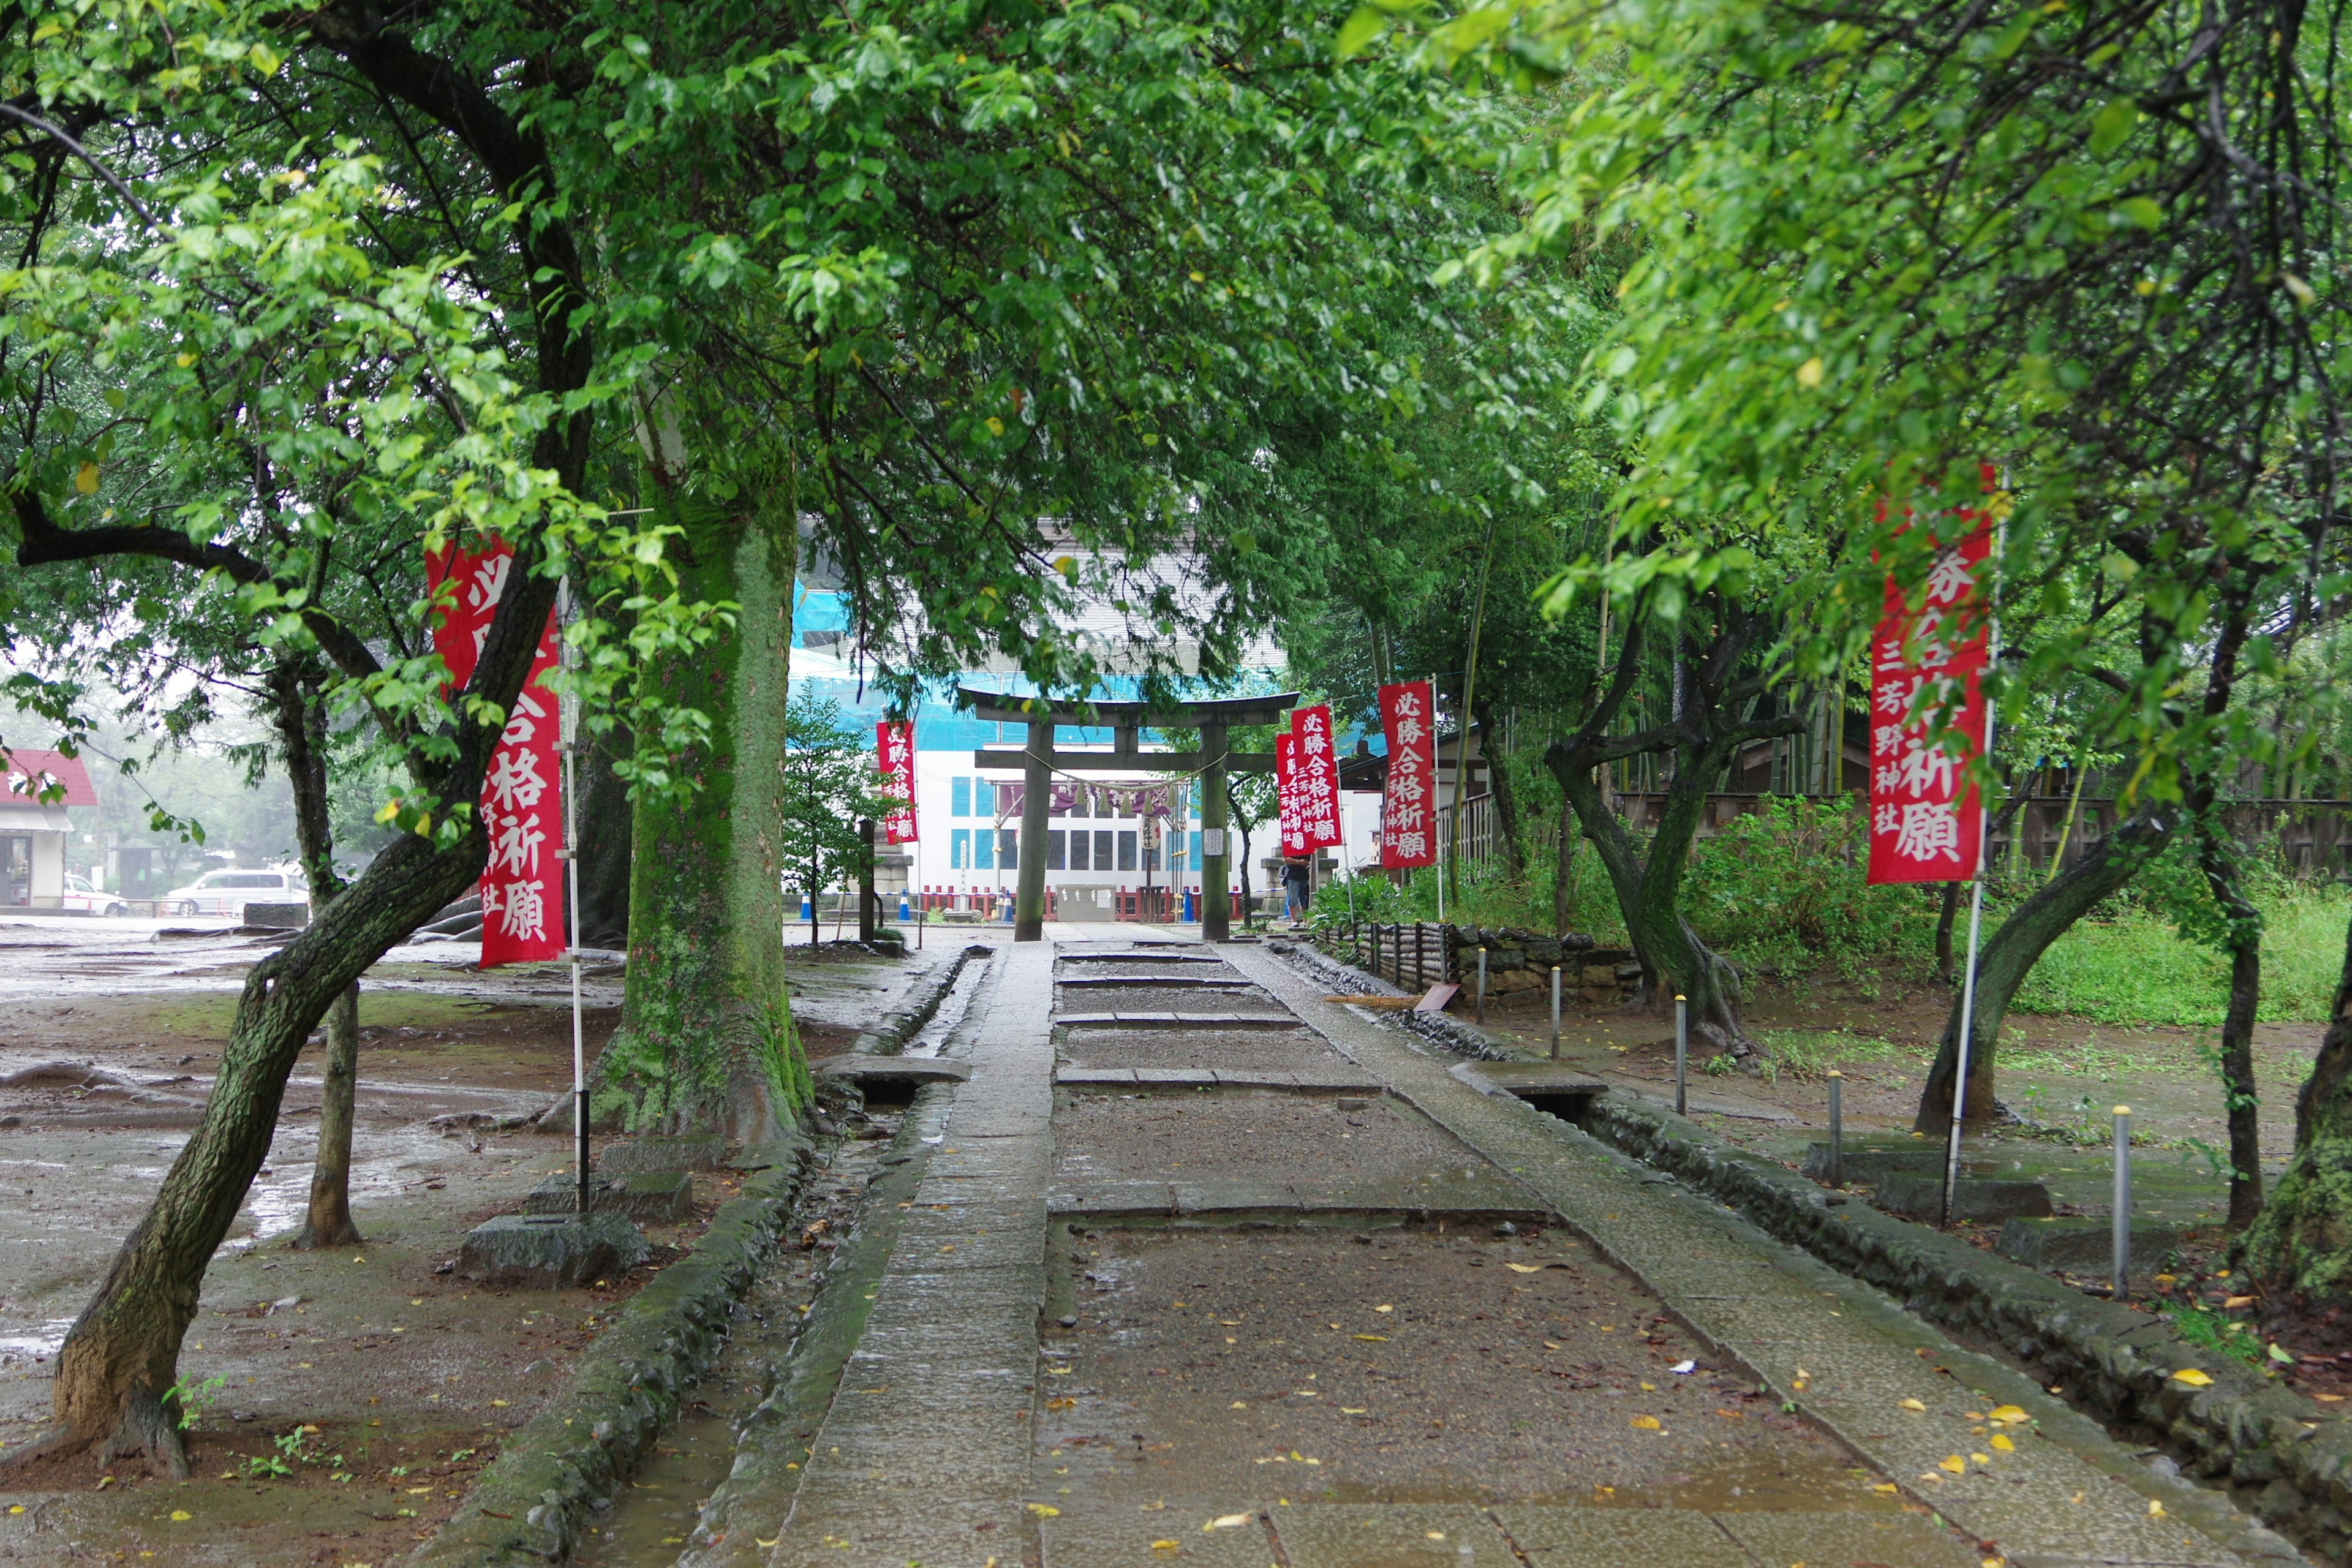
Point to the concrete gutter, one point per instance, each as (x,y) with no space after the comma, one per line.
(2241,1431)
(907,1020)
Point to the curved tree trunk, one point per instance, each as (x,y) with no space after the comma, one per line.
(2298,1251)
(705,1038)
(329,1221)
(2014,949)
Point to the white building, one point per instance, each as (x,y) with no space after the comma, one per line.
(35,791)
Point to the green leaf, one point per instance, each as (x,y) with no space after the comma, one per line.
(2141,210)
(1358,30)
(2113,125)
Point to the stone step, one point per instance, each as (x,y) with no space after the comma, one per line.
(1982,1199)
(551,1252)
(1176,1020)
(2087,1245)
(1337,1079)
(648,1197)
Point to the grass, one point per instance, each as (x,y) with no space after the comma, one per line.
(2212,1330)
(2135,969)
(1812,1053)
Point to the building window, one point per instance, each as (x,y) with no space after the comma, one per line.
(1126,850)
(959,799)
(1008,849)
(1078,859)
(1102,849)
(1053,850)
(983,848)
(960,848)
(984,799)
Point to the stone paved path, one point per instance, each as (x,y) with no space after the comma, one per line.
(934,1452)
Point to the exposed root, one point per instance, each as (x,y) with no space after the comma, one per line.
(327,1238)
(147,1429)
(60,1439)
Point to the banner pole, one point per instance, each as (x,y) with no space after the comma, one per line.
(572,879)
(1975,920)
(1439,826)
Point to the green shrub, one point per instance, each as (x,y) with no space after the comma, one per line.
(2134,967)
(1787,885)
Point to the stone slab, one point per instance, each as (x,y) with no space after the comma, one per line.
(1157,955)
(1620,1538)
(1391,1535)
(627,1156)
(1978,1198)
(892,1069)
(1108,1077)
(1179,1077)
(551,1252)
(1111,1200)
(649,1197)
(1125,978)
(2084,1245)
(1867,1165)
(1133,1540)
(1895,1539)
(1176,1020)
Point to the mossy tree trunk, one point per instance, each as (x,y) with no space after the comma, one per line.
(705,1038)
(2298,1251)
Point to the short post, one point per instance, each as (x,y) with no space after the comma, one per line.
(1682,1056)
(1837,1129)
(922,913)
(2123,1203)
(1555,1012)
(1479,1014)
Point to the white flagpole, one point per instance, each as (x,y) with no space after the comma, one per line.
(1976,924)
(570,711)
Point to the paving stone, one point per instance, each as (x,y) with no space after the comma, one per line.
(1215,1196)
(649,1197)
(1122,1078)
(1127,1541)
(1620,1538)
(551,1252)
(1391,1535)
(2083,1246)
(1111,1200)
(865,1069)
(627,1156)
(1896,1540)
(1178,1078)
(1982,1199)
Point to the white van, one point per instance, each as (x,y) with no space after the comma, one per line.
(227,892)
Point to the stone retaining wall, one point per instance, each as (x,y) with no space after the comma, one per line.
(2242,1432)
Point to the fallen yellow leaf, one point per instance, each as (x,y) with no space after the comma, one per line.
(1913,1405)
(1044,1510)
(1375,1339)
(2001,1441)
(1524,1267)
(1981,1458)
(1163,1546)
(181,1515)
(1384,1309)
(2155,1508)
(2008,1414)
(1648,1424)
(1353,1409)
(2193,1377)
(1957,1464)
(2239,1301)
(1237,1404)
(1887,1487)
(1225,1521)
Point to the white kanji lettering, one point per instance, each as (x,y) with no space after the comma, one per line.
(514,846)
(1885,738)
(514,783)
(1926,770)
(1950,579)
(1885,818)
(1411,845)
(1928,829)
(524,917)
(522,726)
(487,584)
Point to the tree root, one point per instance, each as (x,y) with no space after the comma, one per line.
(147,1428)
(59,1439)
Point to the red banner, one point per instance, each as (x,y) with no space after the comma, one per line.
(1285,791)
(522,795)
(1927,718)
(894,747)
(1409,806)
(1318,776)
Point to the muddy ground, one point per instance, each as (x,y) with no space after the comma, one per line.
(346,1397)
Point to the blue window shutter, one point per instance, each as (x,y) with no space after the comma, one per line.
(959,799)
(983,849)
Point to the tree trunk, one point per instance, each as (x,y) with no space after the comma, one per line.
(1506,800)
(1947,915)
(2296,1251)
(2244,925)
(328,1223)
(706,1036)
(2012,951)
(605,834)
(301,718)
(1564,874)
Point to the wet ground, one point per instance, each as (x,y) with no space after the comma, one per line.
(1250,1136)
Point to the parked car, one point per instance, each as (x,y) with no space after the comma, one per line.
(80,895)
(227,892)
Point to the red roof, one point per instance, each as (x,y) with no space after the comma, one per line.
(30,773)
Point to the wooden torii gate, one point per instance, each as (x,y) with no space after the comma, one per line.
(1038,760)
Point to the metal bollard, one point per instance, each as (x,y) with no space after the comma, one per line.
(2123,1203)
(1555,1012)
(1837,1129)
(1682,1056)
(1479,1014)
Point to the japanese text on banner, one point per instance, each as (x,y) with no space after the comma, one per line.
(1285,791)
(893,748)
(522,794)
(1409,805)
(1318,776)
(1927,717)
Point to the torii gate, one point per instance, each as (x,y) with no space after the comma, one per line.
(1038,760)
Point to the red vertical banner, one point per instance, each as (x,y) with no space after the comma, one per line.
(522,794)
(1285,791)
(1409,805)
(893,748)
(1927,718)
(1318,776)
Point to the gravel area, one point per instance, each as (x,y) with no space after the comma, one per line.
(1275,1050)
(1404,1366)
(1251,1137)
(1236,996)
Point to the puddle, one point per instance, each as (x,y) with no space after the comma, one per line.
(41,1344)
(953,1009)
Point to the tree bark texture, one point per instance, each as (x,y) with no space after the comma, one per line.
(2298,1251)
(329,1221)
(705,1038)
(1507,799)
(607,827)
(2010,956)
(2244,923)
